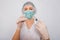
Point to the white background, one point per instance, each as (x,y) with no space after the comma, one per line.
(47,10)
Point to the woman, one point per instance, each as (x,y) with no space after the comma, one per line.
(29,28)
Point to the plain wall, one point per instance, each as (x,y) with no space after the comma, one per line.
(49,12)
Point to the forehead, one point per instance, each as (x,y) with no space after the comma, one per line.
(28,5)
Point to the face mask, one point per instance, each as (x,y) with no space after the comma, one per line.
(29,14)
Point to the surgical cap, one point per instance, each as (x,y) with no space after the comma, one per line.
(29,3)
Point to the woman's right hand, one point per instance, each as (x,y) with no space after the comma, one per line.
(20,21)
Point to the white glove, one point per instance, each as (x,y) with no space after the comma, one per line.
(20,21)
(41,27)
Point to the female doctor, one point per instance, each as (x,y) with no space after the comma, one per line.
(29,28)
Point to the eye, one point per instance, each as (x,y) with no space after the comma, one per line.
(25,9)
(30,8)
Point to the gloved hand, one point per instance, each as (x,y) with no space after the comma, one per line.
(41,27)
(20,21)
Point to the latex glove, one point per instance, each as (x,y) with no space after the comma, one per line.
(20,21)
(41,27)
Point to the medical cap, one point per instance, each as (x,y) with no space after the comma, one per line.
(29,3)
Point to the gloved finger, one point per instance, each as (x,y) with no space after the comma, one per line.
(21,19)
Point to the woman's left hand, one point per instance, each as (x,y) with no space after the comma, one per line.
(41,27)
